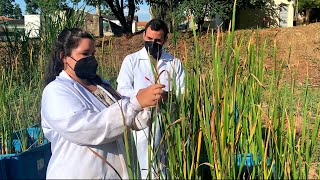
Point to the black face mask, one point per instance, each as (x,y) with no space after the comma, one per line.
(86,68)
(154,49)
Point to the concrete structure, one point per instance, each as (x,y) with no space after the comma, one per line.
(94,24)
(277,13)
(32,25)
(11,25)
(11,28)
(286,12)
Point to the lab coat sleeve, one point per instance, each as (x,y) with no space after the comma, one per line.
(143,120)
(66,113)
(125,78)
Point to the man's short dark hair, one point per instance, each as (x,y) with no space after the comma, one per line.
(157,25)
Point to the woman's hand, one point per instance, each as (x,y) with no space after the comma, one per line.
(150,95)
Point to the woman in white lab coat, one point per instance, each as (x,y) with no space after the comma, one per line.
(83,117)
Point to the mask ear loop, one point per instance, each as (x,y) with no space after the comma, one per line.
(62,59)
(69,64)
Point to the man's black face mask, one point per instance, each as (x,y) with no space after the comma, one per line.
(154,49)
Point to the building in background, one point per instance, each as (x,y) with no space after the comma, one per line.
(141,26)
(32,25)
(112,26)
(10,28)
(277,13)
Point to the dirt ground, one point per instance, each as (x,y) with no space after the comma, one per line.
(302,41)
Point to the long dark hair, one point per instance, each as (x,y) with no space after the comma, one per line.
(67,40)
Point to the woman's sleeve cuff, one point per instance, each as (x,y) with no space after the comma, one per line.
(136,105)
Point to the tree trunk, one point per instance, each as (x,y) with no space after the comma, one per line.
(98,9)
(132,9)
(118,13)
(151,11)
(200,22)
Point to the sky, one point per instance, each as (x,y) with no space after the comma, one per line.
(143,14)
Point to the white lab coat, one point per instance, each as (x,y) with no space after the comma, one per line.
(73,118)
(135,69)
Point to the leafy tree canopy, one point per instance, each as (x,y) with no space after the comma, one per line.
(200,9)
(44,6)
(10,9)
(306,4)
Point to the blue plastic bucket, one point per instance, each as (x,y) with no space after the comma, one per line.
(31,164)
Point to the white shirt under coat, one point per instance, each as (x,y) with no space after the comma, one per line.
(73,119)
(135,69)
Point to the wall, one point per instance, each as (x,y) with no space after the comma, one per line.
(277,13)
(94,25)
(32,25)
(290,12)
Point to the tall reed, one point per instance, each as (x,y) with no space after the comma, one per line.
(22,74)
(222,117)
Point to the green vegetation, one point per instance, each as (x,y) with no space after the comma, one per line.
(10,9)
(307,4)
(21,75)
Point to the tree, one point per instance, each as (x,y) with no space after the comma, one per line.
(10,9)
(307,4)
(96,3)
(100,5)
(166,10)
(106,10)
(45,6)
(31,7)
(118,6)
(162,8)
(17,13)
(201,9)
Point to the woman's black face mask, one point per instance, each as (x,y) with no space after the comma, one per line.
(86,68)
(154,49)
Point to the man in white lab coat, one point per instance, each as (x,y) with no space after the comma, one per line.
(139,70)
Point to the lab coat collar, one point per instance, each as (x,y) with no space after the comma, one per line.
(64,77)
(64,74)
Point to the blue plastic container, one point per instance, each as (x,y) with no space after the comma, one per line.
(31,164)
(248,162)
